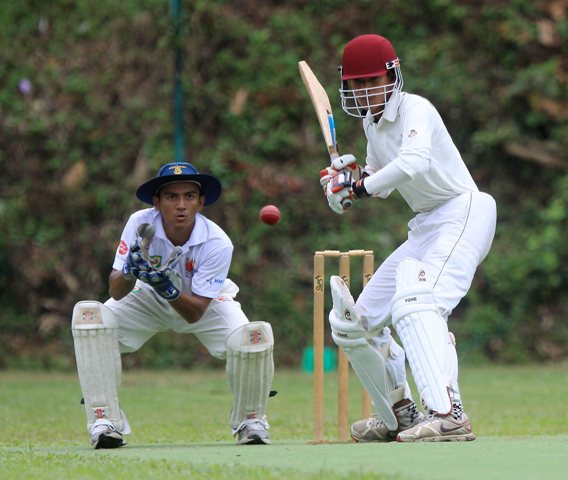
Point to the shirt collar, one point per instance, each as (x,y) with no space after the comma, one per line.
(199,233)
(391,108)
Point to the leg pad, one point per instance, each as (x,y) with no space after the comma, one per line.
(250,370)
(95,337)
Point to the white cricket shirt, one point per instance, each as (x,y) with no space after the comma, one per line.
(206,258)
(424,164)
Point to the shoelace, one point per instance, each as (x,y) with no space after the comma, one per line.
(375,422)
(253,425)
(429,418)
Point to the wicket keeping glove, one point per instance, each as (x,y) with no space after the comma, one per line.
(163,283)
(163,280)
(138,258)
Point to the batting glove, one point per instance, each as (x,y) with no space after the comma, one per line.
(344,162)
(359,190)
(326,175)
(339,193)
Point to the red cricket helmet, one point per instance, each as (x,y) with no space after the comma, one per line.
(368,56)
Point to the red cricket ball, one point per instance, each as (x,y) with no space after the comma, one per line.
(269,214)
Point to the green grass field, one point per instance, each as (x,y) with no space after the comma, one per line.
(180,430)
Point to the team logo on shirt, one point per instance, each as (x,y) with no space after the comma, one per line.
(156,261)
(189,265)
(412,133)
(122,248)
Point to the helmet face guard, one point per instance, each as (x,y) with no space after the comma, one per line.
(368,56)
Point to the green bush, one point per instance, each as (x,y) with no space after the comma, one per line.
(98,121)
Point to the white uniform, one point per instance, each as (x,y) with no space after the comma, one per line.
(102,332)
(455,225)
(203,267)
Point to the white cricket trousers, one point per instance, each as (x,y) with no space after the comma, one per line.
(142,314)
(451,241)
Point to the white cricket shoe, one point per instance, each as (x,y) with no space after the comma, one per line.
(105,435)
(253,431)
(374,429)
(454,427)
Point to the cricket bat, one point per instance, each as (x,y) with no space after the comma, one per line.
(322,107)
(321,104)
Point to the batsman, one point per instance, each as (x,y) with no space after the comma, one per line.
(170,273)
(418,286)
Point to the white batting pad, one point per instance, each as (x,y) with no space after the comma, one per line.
(95,335)
(424,334)
(367,361)
(250,370)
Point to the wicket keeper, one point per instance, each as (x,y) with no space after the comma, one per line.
(170,273)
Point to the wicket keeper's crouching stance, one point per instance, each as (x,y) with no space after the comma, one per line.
(423,280)
(170,273)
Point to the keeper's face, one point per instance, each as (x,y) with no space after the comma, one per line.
(178,203)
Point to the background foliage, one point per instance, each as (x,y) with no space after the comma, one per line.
(86,116)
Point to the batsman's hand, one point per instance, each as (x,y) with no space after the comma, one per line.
(344,162)
(326,175)
(339,193)
(138,259)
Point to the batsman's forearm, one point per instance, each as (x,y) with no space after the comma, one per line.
(119,286)
(387,178)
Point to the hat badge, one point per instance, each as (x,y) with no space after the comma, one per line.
(177,169)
